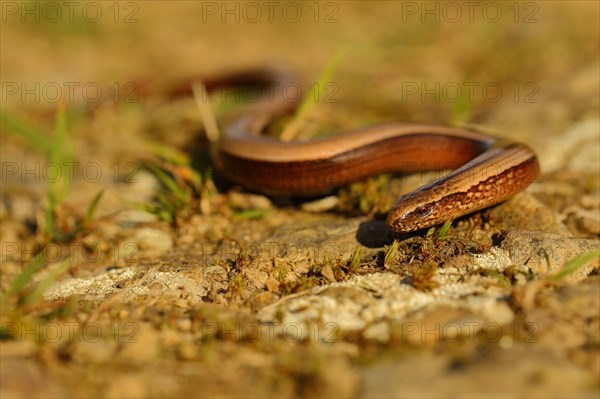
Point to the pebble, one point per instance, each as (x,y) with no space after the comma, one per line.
(22,208)
(321,205)
(134,217)
(154,241)
(498,312)
(244,201)
(142,187)
(377,332)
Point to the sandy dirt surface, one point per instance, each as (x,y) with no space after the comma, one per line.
(131,269)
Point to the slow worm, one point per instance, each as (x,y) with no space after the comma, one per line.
(486,172)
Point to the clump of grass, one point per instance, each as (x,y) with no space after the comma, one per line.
(390,254)
(60,224)
(281,275)
(242,259)
(303,283)
(236,285)
(370,197)
(182,187)
(61,152)
(23,294)
(355,259)
(442,233)
(422,277)
(444,229)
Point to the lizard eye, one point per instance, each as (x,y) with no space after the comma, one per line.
(424,210)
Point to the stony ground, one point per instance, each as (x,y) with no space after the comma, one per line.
(176,283)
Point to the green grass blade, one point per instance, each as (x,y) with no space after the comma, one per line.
(49,219)
(26,275)
(169,183)
(251,213)
(93,205)
(308,103)
(36,294)
(575,264)
(33,136)
(430,232)
(170,154)
(61,156)
(444,229)
(355,258)
(390,254)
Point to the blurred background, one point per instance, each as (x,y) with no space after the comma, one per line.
(524,70)
(428,61)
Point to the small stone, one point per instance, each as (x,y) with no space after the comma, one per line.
(321,205)
(498,313)
(378,332)
(244,201)
(184,325)
(153,241)
(134,217)
(142,187)
(22,208)
(590,201)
